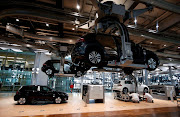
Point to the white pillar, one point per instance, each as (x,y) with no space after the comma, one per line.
(39,77)
(145,76)
(171,76)
(82,84)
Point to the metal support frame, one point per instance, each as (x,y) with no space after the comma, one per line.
(135,81)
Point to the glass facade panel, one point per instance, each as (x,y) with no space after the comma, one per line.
(15,69)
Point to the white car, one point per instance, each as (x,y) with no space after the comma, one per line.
(129,86)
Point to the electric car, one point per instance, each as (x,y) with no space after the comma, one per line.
(97,49)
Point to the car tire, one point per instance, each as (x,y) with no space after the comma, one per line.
(128,70)
(145,90)
(58,100)
(94,57)
(22,101)
(49,72)
(125,90)
(152,63)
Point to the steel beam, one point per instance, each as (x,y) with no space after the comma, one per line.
(159,37)
(24,44)
(169,21)
(37,37)
(163,4)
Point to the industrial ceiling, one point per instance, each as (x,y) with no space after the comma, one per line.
(50,24)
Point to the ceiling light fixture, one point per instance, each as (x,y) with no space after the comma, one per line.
(78,7)
(73,29)
(17,50)
(47,24)
(157,26)
(165,45)
(150,42)
(135,20)
(28,45)
(19,58)
(179,47)
(17,20)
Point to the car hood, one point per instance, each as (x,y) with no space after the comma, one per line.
(142,85)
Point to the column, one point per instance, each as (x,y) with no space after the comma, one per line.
(82,84)
(171,76)
(103,76)
(145,77)
(39,77)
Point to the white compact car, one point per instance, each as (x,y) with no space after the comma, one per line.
(129,86)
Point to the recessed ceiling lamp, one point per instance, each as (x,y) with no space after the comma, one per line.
(97,15)
(73,29)
(150,42)
(28,45)
(17,50)
(19,58)
(179,47)
(47,24)
(10,60)
(165,45)
(78,7)
(135,20)
(157,26)
(17,20)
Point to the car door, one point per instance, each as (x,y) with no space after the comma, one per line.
(33,92)
(138,53)
(129,85)
(46,93)
(109,45)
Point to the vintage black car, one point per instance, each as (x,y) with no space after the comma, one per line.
(97,49)
(33,93)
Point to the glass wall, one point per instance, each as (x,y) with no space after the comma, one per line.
(15,69)
(96,78)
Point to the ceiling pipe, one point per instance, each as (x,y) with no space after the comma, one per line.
(163,4)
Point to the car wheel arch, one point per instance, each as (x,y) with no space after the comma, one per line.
(145,89)
(124,89)
(90,47)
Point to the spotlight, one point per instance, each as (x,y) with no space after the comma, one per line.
(47,24)
(78,7)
